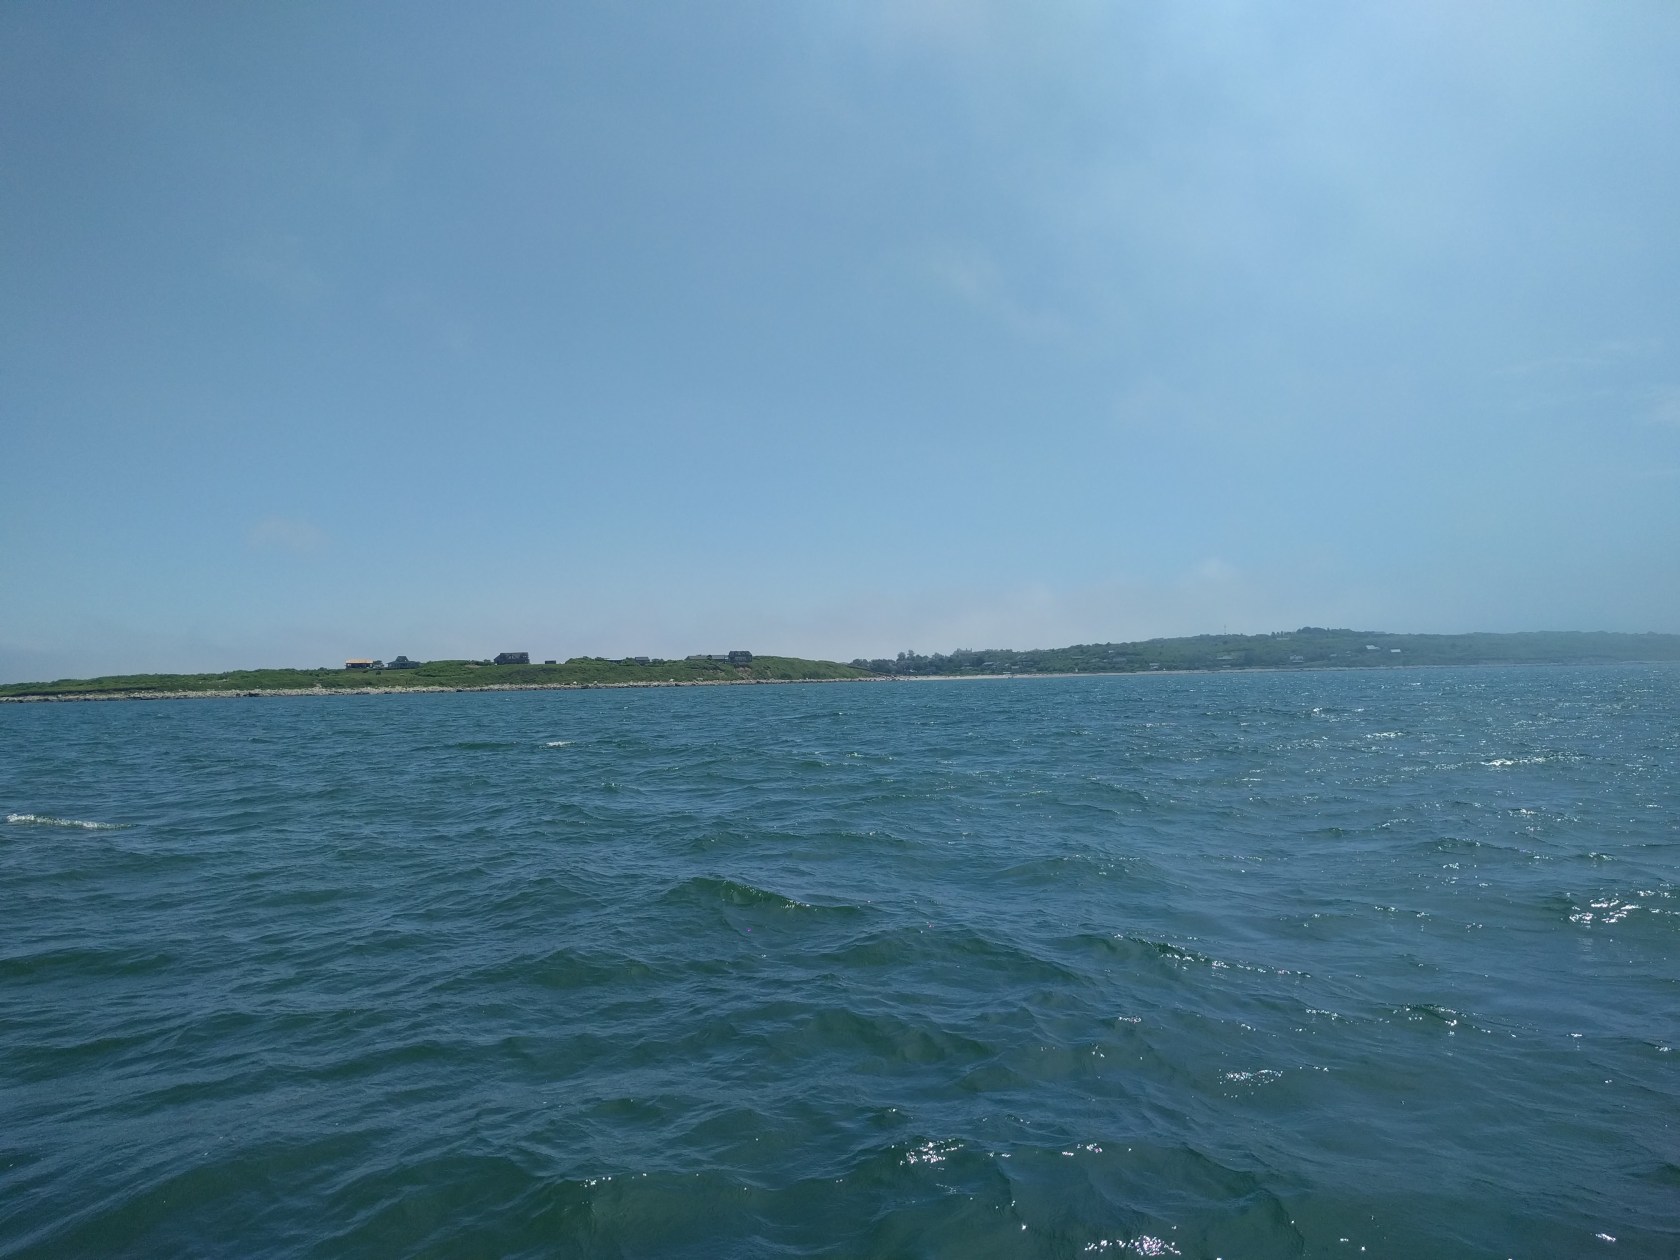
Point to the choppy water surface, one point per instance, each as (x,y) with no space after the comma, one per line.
(1232,965)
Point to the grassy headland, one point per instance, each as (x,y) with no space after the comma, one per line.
(445,675)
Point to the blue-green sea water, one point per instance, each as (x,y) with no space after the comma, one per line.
(1369,963)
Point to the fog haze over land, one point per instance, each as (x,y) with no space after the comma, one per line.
(829,330)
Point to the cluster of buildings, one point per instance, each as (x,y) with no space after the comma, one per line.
(524,658)
(402,662)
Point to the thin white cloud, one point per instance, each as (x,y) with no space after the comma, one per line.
(419,307)
(1664,406)
(280,533)
(1596,358)
(976,280)
(280,266)
(1150,403)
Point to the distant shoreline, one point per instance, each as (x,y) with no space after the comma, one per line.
(257,693)
(79,697)
(1309,648)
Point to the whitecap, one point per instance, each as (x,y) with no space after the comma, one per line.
(557,743)
(46,820)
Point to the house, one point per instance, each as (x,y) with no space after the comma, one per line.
(740,658)
(512,658)
(362,662)
(402,662)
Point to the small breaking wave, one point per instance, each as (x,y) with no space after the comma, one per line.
(47,820)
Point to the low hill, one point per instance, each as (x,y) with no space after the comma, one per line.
(462,675)
(1307,648)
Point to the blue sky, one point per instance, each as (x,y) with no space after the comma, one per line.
(833,330)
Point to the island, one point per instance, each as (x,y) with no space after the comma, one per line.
(1310,647)
(366,676)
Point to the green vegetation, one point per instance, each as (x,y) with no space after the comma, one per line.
(1307,648)
(471,675)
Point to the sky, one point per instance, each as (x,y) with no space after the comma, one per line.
(827,329)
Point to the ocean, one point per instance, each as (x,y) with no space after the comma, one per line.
(1361,963)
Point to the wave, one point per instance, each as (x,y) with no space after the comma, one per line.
(983,976)
(707,890)
(1434,1015)
(47,820)
(1133,950)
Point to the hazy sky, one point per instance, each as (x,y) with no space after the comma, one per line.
(829,329)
